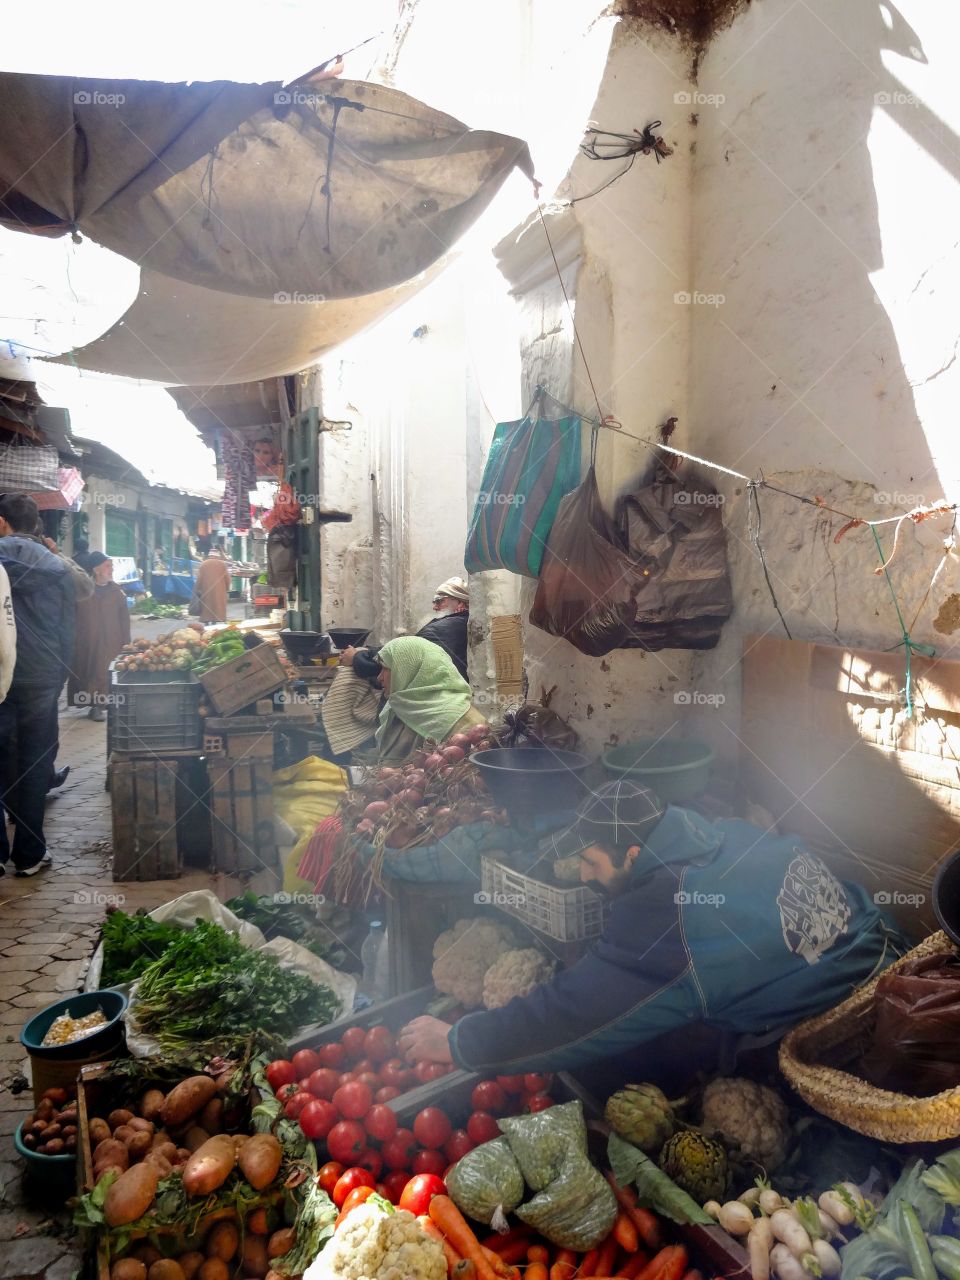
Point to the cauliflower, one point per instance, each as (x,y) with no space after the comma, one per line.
(463,954)
(516,973)
(749,1115)
(373,1245)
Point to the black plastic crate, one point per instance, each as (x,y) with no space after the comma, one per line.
(155,717)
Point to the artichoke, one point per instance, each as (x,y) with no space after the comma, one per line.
(641,1114)
(697,1164)
(748,1116)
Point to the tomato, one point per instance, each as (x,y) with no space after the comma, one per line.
(427,1071)
(353,1100)
(482,1127)
(457,1146)
(288,1091)
(511,1084)
(305,1061)
(379,1044)
(539,1102)
(369,1078)
(296,1104)
(332,1055)
(348,1181)
(380,1122)
(280,1073)
(419,1191)
(346,1140)
(394,1072)
(354,1199)
(399,1150)
(429,1162)
(386,1094)
(371,1160)
(362,1067)
(352,1040)
(394,1183)
(534,1083)
(346,1077)
(328,1175)
(488,1096)
(323,1083)
(318,1117)
(432,1127)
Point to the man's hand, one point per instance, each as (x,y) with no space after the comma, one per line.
(425,1040)
(50,545)
(346,656)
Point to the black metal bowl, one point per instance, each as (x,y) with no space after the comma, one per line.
(532,779)
(304,645)
(344,637)
(946,896)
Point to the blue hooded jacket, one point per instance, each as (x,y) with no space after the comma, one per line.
(721,923)
(44,605)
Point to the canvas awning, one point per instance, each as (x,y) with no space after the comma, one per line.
(293,215)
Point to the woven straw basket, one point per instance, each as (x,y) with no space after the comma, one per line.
(841,1035)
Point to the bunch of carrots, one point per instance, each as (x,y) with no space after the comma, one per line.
(634,1249)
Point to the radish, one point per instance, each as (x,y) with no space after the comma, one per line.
(788,1229)
(759,1243)
(786,1265)
(375,810)
(736,1217)
(453,754)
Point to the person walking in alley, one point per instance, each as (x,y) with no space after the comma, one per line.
(103,628)
(210,589)
(44,607)
(8,634)
(451,601)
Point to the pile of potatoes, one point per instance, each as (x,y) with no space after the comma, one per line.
(52,1129)
(225,1254)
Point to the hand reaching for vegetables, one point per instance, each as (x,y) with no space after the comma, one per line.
(425,1040)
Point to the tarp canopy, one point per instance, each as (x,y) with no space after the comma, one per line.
(288,201)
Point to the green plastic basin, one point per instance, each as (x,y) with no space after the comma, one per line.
(675,768)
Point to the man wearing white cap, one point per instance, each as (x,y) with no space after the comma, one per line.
(451,601)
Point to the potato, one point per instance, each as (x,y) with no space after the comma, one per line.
(68,1131)
(141,1125)
(165,1269)
(53,1148)
(214,1269)
(151,1104)
(119,1117)
(128,1269)
(223,1241)
(209,1166)
(239,1139)
(166,1148)
(148,1254)
(211,1117)
(195,1137)
(111,1152)
(123,1133)
(70,1142)
(52,1131)
(187,1098)
(29,1140)
(254,1256)
(281,1242)
(57,1096)
(258,1222)
(183,1155)
(131,1195)
(99,1131)
(138,1146)
(275,1275)
(190,1263)
(260,1160)
(162,1165)
(68,1116)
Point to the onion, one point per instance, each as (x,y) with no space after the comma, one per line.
(486,744)
(433,762)
(386,773)
(375,809)
(418,758)
(461,740)
(417,779)
(365,828)
(453,754)
(477,733)
(411,797)
(443,812)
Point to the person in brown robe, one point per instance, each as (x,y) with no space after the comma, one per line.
(211,586)
(103,628)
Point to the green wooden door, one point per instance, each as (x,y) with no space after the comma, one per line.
(302,454)
(121,534)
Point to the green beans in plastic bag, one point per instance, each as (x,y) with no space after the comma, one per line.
(577,1209)
(485,1180)
(540,1142)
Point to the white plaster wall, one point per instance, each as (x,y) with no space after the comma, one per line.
(826,214)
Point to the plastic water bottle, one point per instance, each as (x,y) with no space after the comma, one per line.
(374,947)
(381,972)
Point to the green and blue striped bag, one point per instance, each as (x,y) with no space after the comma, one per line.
(532,465)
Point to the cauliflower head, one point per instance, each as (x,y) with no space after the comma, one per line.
(516,973)
(749,1115)
(462,955)
(373,1245)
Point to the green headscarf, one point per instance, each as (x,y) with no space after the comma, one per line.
(427,693)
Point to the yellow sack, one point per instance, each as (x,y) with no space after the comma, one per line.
(303,795)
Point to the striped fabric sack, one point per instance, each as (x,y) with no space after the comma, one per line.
(531,466)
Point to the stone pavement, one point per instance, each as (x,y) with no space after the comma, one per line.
(49,925)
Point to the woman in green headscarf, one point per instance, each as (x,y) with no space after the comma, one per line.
(426,698)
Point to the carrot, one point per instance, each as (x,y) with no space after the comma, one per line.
(456,1229)
(536,1271)
(464,1270)
(605,1260)
(669,1264)
(564,1265)
(634,1265)
(431,1229)
(538,1253)
(501,1240)
(693,1275)
(511,1253)
(625,1232)
(646,1223)
(500,1264)
(588,1263)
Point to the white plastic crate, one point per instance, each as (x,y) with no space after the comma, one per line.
(567,915)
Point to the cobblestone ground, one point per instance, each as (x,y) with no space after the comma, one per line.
(49,925)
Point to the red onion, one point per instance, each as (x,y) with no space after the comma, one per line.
(461,740)
(453,754)
(411,797)
(417,779)
(375,809)
(433,762)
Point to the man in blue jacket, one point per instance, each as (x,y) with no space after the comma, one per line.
(41,586)
(719,924)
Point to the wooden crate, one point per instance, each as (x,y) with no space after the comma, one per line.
(416,915)
(244,679)
(241,808)
(143,795)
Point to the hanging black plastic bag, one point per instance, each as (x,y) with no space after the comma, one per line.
(282,556)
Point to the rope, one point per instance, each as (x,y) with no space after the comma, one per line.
(927,650)
(755,538)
